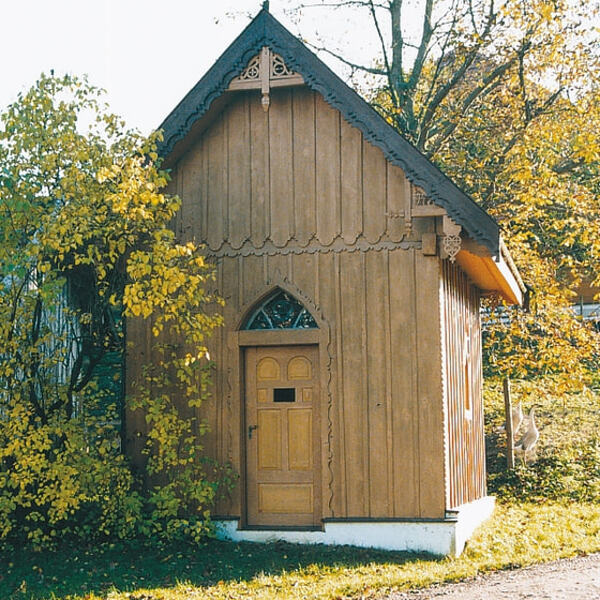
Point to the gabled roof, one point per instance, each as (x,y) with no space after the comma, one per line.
(265,30)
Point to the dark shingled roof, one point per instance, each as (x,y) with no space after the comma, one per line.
(265,30)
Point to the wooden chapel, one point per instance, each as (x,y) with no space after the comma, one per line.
(347,392)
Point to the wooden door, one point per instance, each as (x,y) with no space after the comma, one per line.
(282,436)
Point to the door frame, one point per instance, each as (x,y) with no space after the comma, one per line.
(237,341)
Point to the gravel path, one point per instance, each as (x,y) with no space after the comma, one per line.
(569,579)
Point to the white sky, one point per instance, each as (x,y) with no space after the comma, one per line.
(147,54)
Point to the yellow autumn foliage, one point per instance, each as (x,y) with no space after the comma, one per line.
(505,98)
(85,244)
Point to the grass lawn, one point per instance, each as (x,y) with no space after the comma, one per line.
(516,535)
(552,511)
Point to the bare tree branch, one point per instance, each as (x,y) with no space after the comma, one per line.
(354,66)
(488,83)
(438,68)
(344,3)
(453,81)
(423,46)
(386,62)
(398,43)
(441,134)
(472,15)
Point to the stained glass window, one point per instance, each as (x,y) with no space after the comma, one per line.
(281,311)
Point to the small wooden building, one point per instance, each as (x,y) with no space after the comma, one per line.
(347,392)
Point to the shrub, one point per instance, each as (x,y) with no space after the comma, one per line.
(86,241)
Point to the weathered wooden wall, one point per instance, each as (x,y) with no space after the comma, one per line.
(463,384)
(295,176)
(295,196)
(383,400)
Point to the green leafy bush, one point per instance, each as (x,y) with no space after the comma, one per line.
(85,241)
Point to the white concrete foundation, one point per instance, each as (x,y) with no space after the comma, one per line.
(442,537)
(470,516)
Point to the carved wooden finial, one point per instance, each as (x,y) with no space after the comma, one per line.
(265,5)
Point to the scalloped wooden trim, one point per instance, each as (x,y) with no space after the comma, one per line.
(337,246)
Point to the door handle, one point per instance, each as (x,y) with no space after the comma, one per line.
(251,428)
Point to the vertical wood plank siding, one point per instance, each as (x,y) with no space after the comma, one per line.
(296,196)
(465,439)
(295,174)
(387,443)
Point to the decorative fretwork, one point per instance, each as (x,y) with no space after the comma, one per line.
(264,71)
(420,198)
(279,68)
(281,311)
(451,242)
(252,71)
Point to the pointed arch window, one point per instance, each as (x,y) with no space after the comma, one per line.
(281,311)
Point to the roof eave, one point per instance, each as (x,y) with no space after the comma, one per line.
(493,274)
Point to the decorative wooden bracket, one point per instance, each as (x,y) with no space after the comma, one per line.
(451,241)
(416,204)
(264,71)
